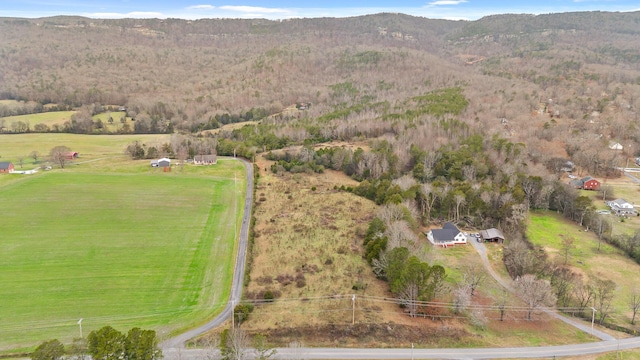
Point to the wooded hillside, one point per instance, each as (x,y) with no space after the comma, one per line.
(571,77)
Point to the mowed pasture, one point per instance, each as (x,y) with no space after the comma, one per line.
(89,147)
(49,118)
(129,248)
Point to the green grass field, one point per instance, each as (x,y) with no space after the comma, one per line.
(60,117)
(90,147)
(134,247)
(546,229)
(47,118)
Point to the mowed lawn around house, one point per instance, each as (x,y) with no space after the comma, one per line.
(133,248)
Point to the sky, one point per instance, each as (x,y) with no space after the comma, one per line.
(286,9)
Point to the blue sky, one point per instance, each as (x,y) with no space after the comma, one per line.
(284,9)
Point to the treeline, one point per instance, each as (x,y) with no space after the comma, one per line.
(156,118)
(218,120)
(31,107)
(105,343)
(390,247)
(181,147)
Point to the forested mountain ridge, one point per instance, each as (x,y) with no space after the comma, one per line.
(533,79)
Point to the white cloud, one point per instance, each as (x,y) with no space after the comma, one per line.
(446,2)
(254,9)
(201,7)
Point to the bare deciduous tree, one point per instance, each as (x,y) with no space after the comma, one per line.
(583,293)
(262,348)
(35,156)
(634,304)
(428,196)
(564,281)
(473,276)
(59,155)
(566,246)
(234,344)
(390,213)
(518,258)
(297,351)
(603,296)
(534,292)
(502,303)
(461,298)
(400,235)
(460,200)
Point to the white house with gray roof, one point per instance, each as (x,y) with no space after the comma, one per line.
(622,208)
(449,235)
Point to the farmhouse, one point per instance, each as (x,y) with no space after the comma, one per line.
(586,183)
(205,159)
(6,167)
(622,208)
(493,235)
(449,235)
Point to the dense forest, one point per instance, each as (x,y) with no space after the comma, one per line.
(470,122)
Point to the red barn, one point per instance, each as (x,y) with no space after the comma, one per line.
(586,183)
(6,167)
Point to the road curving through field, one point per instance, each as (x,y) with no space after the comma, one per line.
(178,342)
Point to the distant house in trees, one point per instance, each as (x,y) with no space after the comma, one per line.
(205,159)
(492,234)
(6,167)
(449,235)
(622,208)
(586,183)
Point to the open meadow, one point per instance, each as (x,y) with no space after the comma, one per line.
(112,121)
(547,229)
(117,243)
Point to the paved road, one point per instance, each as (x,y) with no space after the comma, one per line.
(487,353)
(178,342)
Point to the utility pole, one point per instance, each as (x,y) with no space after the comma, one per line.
(593,317)
(353,309)
(80,323)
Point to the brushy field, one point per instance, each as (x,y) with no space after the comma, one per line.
(133,247)
(546,229)
(308,252)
